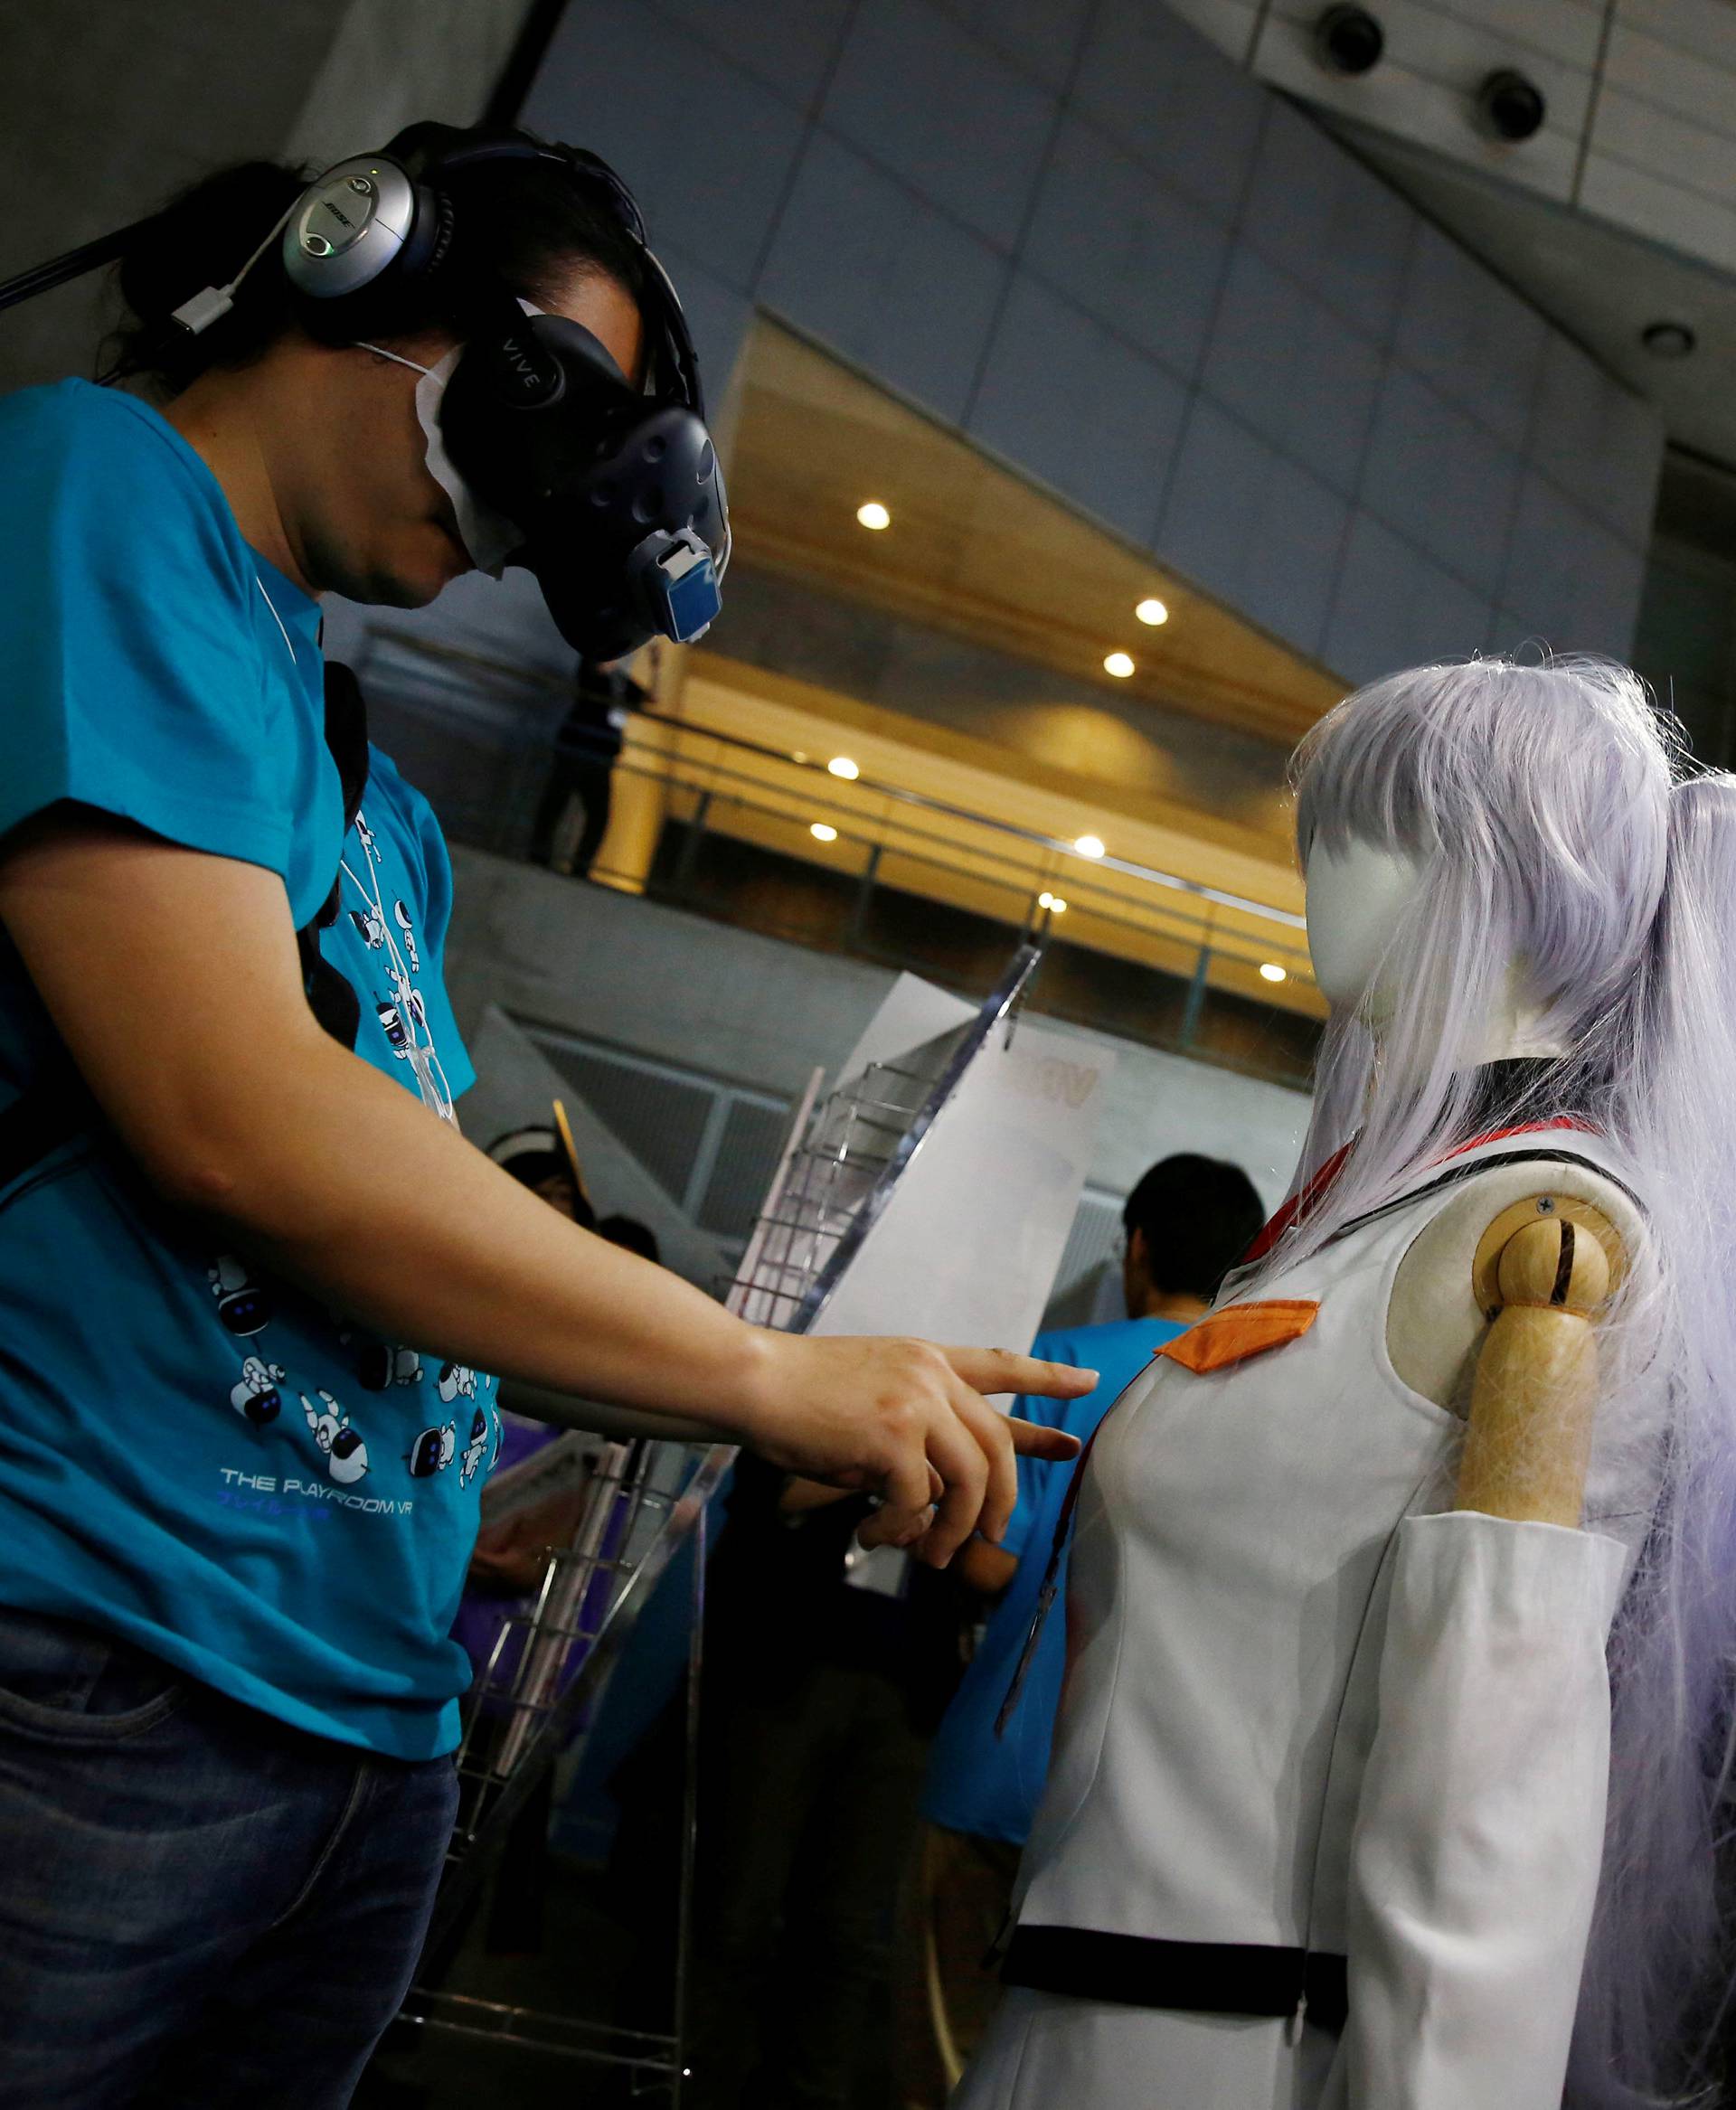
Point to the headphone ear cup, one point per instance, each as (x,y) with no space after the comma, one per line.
(443,241)
(438,220)
(378,285)
(395,297)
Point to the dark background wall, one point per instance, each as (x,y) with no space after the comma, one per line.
(106,107)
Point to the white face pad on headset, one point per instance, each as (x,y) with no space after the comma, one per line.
(489,537)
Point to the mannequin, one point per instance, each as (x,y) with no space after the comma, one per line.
(1333,1788)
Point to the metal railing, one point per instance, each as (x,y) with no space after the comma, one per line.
(897,875)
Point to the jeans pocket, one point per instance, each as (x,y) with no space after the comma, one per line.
(68,1683)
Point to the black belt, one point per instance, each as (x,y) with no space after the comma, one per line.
(1220,1978)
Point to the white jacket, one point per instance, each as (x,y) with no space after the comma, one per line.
(1310,1706)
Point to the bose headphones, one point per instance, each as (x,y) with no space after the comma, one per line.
(615,490)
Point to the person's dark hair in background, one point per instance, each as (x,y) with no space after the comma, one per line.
(1188,1221)
(546,1170)
(538,227)
(636,1237)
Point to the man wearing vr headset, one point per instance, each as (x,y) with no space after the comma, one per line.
(248,1268)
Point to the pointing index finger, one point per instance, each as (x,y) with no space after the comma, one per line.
(998,1369)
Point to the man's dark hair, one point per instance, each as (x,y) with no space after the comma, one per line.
(635,1237)
(524,222)
(1199,1216)
(534,1166)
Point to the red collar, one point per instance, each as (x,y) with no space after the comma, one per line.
(1302,1205)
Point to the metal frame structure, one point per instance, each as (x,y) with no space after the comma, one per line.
(551,1663)
(839,1179)
(548,1667)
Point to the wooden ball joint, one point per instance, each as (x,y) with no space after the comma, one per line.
(1543,1272)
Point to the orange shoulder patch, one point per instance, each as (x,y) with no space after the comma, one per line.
(1239,1331)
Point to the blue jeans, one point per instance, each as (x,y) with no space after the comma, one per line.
(198,1906)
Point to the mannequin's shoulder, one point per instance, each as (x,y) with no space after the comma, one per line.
(1445,1293)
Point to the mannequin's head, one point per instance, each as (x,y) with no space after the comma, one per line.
(1483,846)
(1486,847)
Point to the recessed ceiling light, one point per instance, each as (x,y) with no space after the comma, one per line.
(874,514)
(1151,610)
(1119,664)
(842,766)
(824,832)
(1057,907)
(1271,972)
(1089,845)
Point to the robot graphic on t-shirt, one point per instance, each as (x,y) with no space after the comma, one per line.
(369,927)
(457,1381)
(433,1451)
(401,917)
(392,1025)
(474,1449)
(400,1008)
(244,1306)
(378,1365)
(345,1454)
(385,926)
(257,1398)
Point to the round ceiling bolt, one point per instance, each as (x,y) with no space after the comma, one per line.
(1668,340)
(1348,40)
(1511,107)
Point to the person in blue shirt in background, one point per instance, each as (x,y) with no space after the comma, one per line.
(1184,1227)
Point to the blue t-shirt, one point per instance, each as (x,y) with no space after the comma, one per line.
(978,1783)
(192,1456)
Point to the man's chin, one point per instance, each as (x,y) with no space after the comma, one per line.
(422,568)
(409,591)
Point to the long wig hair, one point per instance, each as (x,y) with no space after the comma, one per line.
(1561,851)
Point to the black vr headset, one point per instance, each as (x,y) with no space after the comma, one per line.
(615,491)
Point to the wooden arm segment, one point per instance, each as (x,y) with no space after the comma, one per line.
(1534,1398)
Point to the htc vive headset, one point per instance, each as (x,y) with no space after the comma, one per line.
(615,490)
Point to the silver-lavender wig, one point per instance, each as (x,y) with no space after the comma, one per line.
(1565,857)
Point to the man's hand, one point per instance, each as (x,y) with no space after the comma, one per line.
(910,1422)
(511,1556)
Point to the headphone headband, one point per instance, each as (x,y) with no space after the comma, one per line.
(427,150)
(401,191)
